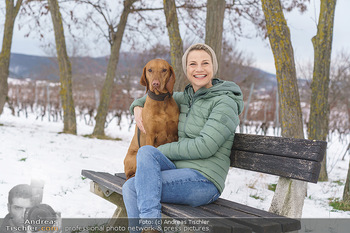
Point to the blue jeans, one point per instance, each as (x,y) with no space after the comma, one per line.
(158,180)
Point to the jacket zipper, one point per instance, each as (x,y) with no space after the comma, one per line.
(189,109)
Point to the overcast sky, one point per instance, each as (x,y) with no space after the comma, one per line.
(303,28)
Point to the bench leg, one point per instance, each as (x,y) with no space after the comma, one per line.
(118,222)
(119,218)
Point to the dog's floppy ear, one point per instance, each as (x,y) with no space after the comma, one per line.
(170,84)
(143,80)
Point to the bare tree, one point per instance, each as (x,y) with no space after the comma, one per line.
(339,102)
(214,26)
(65,67)
(339,99)
(236,65)
(289,196)
(115,38)
(319,109)
(346,193)
(176,47)
(11,14)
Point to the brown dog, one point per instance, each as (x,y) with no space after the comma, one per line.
(160,113)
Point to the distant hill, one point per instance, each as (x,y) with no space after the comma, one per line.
(27,66)
(269,81)
(46,68)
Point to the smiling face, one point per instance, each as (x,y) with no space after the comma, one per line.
(199,69)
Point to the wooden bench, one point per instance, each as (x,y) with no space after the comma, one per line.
(286,157)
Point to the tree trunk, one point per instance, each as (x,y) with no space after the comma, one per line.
(176,47)
(214,27)
(346,193)
(65,67)
(107,88)
(319,110)
(289,195)
(11,14)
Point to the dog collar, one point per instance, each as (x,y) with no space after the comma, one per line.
(159,97)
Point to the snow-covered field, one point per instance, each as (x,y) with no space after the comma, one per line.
(35,149)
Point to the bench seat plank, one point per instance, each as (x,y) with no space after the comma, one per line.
(239,217)
(217,224)
(288,224)
(108,180)
(259,225)
(115,183)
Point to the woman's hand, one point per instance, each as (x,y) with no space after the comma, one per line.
(138,118)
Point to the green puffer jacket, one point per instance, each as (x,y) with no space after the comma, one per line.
(207,123)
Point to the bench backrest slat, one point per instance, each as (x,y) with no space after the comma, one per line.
(287,157)
(281,146)
(305,170)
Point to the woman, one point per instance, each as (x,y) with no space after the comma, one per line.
(191,171)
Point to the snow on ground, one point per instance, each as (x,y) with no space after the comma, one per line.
(35,149)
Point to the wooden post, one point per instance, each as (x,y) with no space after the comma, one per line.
(119,217)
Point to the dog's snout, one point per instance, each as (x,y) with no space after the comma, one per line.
(155,83)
